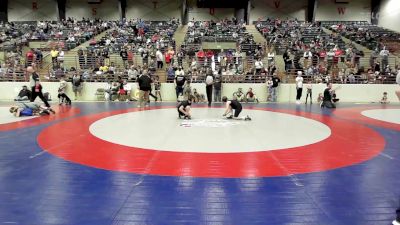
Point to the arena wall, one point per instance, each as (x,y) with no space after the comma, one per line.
(107,10)
(203,14)
(286,93)
(147,10)
(354,10)
(22,10)
(261,9)
(389,15)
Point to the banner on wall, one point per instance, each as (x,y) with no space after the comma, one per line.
(277,3)
(34,5)
(155,4)
(212,11)
(341,10)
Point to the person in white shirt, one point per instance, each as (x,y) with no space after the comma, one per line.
(299,86)
(128,90)
(60,57)
(108,42)
(160,59)
(271,57)
(385,57)
(71,38)
(307,57)
(179,72)
(258,65)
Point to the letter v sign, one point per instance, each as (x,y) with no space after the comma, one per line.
(277,3)
(341,10)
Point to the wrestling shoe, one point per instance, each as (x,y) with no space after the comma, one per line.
(396,222)
(230,117)
(52,110)
(247,118)
(44,113)
(187,118)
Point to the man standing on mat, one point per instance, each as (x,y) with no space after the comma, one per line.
(327,101)
(209,86)
(184,109)
(144,83)
(179,81)
(233,105)
(299,86)
(36,86)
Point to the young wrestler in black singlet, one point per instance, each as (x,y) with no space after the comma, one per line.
(184,109)
(233,105)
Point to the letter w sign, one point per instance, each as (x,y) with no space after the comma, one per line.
(341,10)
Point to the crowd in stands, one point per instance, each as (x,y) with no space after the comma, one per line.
(321,57)
(131,47)
(366,34)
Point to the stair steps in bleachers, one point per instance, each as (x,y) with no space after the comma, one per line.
(347,41)
(179,35)
(86,44)
(364,61)
(258,38)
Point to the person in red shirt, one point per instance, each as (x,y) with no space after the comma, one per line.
(338,53)
(201,56)
(167,58)
(29,57)
(322,55)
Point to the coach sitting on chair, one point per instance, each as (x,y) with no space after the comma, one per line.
(24,94)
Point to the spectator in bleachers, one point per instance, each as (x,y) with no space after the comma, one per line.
(270,57)
(60,58)
(170,73)
(38,56)
(124,55)
(160,59)
(30,57)
(54,55)
(259,66)
(385,57)
(81,58)
(288,60)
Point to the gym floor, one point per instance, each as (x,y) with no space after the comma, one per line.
(114,163)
